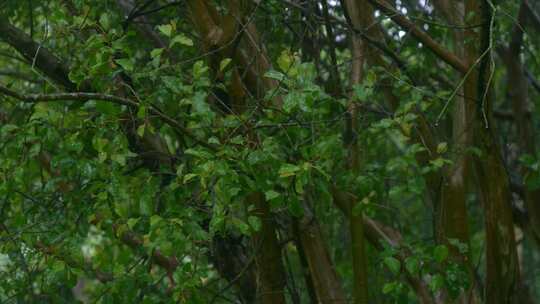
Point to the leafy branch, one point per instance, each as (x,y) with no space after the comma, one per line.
(86,96)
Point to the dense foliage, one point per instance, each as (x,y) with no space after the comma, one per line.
(236,151)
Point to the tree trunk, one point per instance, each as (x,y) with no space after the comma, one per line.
(325,280)
(502,269)
(358,250)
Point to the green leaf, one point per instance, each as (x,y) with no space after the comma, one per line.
(436,282)
(237,140)
(438,162)
(254,222)
(99,143)
(180,170)
(412,265)
(371,78)
(141,129)
(189,177)
(213,140)
(121,208)
(271,194)
(201,106)
(8,128)
(528,160)
(388,287)
(362,93)
(322,172)
(292,101)
(299,185)
(286,61)
(224,63)
(241,226)
(132,222)
(166,248)
(393,264)
(166,29)
(199,70)
(274,75)
(119,158)
(295,207)
(440,253)
(107,108)
(105,21)
(287,170)
(155,220)
(126,63)
(182,40)
(141,113)
(146,205)
(462,247)
(156,53)
(442,147)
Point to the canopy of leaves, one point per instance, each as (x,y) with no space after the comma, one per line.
(201,151)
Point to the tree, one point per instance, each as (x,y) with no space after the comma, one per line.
(237,151)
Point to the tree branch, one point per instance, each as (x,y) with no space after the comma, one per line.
(533,16)
(84,96)
(57,253)
(378,235)
(127,237)
(37,55)
(128,8)
(534,82)
(134,242)
(21,76)
(400,63)
(422,36)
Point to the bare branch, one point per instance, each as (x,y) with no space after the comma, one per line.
(533,16)
(422,36)
(39,56)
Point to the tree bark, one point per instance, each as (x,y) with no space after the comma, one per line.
(270,271)
(356,225)
(381,236)
(326,282)
(451,214)
(502,269)
(518,91)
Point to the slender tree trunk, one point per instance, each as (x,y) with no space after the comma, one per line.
(270,271)
(502,269)
(451,212)
(358,250)
(518,91)
(381,236)
(325,280)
